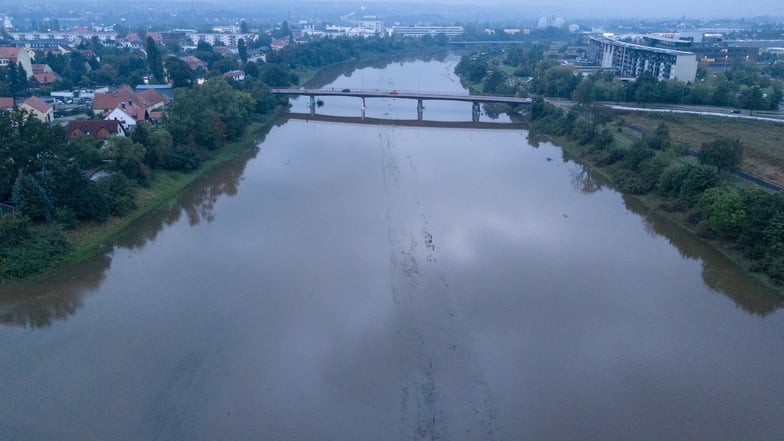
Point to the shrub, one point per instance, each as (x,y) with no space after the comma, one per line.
(35,255)
(14,228)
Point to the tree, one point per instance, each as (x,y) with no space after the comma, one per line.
(724,154)
(585,92)
(14,229)
(726,212)
(31,198)
(179,72)
(752,99)
(658,139)
(537,107)
(242,48)
(126,156)
(244,27)
(154,60)
(16,79)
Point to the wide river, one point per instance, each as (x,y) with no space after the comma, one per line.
(355,281)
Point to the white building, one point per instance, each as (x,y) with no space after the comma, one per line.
(228,39)
(632,60)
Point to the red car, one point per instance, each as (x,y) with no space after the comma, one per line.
(394,92)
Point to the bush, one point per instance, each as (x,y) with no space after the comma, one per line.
(628,181)
(66,218)
(119,193)
(32,199)
(686,182)
(33,256)
(611,156)
(14,229)
(724,154)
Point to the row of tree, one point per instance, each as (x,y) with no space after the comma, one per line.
(745,86)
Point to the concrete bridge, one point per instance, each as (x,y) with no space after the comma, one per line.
(363,94)
(490,125)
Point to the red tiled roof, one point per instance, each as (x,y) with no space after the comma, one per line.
(46,78)
(41,68)
(133,37)
(150,97)
(134,111)
(38,104)
(9,53)
(194,62)
(96,128)
(145,99)
(112,100)
(6,103)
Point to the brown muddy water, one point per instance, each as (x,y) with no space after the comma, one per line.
(381,282)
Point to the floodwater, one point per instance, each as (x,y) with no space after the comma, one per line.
(378,282)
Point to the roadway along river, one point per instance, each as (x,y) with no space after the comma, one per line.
(381,282)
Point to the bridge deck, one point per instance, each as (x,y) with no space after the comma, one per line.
(375,93)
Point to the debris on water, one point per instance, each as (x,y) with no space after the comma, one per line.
(429,241)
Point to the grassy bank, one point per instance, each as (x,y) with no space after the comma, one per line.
(88,239)
(763,155)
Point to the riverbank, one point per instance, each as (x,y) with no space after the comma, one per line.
(654,204)
(89,239)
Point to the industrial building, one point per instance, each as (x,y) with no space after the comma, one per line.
(632,60)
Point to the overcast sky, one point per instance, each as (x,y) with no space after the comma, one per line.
(631,8)
(569,9)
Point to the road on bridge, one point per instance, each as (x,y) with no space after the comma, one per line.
(376,93)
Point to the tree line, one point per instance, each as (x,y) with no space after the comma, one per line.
(524,70)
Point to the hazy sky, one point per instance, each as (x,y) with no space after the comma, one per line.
(570,9)
(630,8)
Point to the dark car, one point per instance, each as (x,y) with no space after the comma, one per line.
(346,90)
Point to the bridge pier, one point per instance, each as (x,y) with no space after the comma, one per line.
(363,107)
(313,105)
(420,109)
(476,110)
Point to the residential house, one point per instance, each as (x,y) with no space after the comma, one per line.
(128,114)
(140,40)
(280,43)
(95,128)
(148,100)
(6,104)
(14,55)
(194,63)
(236,75)
(165,90)
(45,79)
(39,109)
(41,68)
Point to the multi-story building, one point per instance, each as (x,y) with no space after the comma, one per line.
(16,55)
(712,52)
(421,31)
(225,38)
(75,36)
(632,60)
